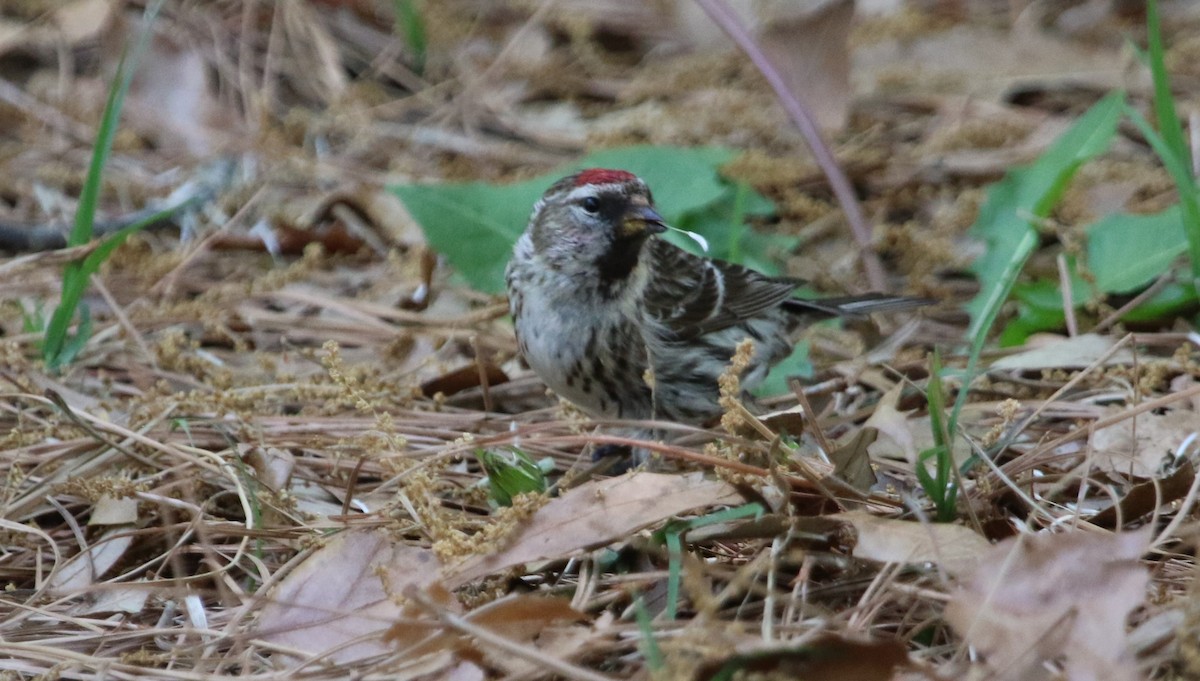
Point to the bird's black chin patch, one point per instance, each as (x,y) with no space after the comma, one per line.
(618,262)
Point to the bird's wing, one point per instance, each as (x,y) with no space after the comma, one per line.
(692,296)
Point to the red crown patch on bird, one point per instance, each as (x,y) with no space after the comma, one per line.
(602,176)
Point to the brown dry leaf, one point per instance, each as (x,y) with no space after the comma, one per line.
(343,592)
(82,19)
(88,566)
(315,52)
(1112,196)
(122,599)
(465,378)
(1061,596)
(598,513)
(415,634)
(1182,383)
(112,511)
(525,618)
(273,466)
(852,460)
(830,658)
(903,437)
(285,239)
(985,62)
(790,421)
(70,23)
(956,548)
(1149,496)
(1141,445)
(807,43)
(464,671)
(810,48)
(172,103)
(892,426)
(1066,353)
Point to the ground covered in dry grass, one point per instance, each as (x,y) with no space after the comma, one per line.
(265,460)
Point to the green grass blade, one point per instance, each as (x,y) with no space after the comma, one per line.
(75,274)
(1164,104)
(674,573)
(672,536)
(1172,147)
(940,487)
(73,346)
(649,646)
(411,24)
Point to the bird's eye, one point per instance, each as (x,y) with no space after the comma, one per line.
(591,204)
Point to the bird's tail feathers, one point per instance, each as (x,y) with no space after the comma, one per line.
(856,306)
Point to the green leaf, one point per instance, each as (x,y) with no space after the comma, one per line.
(75,280)
(1127,252)
(1040,306)
(722,224)
(1179,169)
(1171,300)
(509,477)
(1017,332)
(1030,193)
(474,225)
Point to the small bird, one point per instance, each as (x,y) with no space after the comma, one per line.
(626,325)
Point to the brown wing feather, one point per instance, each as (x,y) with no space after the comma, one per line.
(693,296)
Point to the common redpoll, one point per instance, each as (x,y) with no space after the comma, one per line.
(627,325)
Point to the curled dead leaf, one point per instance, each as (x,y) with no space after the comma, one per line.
(1055,596)
(1067,353)
(597,513)
(955,548)
(88,566)
(340,599)
(1142,445)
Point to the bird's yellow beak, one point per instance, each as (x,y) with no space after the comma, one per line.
(642,221)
